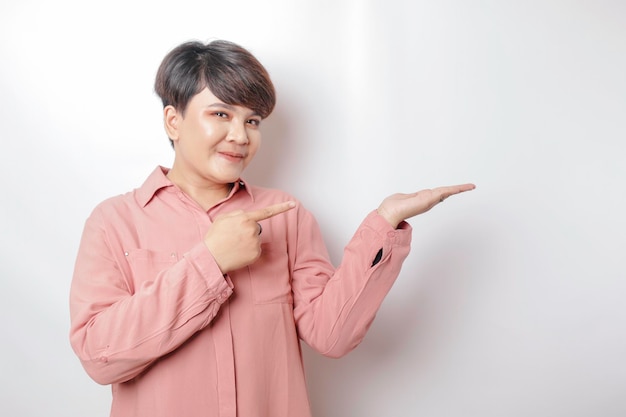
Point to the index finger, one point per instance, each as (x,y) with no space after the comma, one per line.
(270,211)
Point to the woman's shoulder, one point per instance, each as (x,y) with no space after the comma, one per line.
(264,196)
(272,195)
(116,205)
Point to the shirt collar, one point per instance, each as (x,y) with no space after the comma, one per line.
(158,180)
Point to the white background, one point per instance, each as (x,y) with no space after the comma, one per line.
(511,302)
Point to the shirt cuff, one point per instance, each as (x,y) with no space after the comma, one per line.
(217,283)
(399,236)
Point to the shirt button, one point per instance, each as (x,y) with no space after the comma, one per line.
(391,234)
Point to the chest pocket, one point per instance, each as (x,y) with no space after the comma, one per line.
(269,275)
(146,264)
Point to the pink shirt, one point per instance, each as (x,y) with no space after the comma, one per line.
(152,314)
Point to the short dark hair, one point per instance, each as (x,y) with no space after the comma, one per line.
(231,72)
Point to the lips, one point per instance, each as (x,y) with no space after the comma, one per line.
(232,156)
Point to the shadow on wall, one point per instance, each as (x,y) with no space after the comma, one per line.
(418,322)
(273,160)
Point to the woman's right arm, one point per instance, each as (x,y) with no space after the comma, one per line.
(117,329)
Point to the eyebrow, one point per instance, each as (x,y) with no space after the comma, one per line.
(229,107)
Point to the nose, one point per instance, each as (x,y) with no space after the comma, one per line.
(237,133)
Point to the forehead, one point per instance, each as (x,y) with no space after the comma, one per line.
(206,99)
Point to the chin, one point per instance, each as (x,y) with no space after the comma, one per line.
(229,179)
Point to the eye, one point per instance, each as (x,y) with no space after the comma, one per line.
(221,114)
(254,122)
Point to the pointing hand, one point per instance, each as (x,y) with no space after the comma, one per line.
(234,238)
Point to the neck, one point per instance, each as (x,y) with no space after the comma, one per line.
(205,194)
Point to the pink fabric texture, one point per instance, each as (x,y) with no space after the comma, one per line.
(152,314)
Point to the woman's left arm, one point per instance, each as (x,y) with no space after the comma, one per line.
(335,308)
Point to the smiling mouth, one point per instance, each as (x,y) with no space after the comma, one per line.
(231,156)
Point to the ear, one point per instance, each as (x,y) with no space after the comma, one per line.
(171,119)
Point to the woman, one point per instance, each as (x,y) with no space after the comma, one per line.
(190,294)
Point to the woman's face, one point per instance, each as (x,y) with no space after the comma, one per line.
(214,142)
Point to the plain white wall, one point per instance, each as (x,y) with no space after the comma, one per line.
(511,302)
